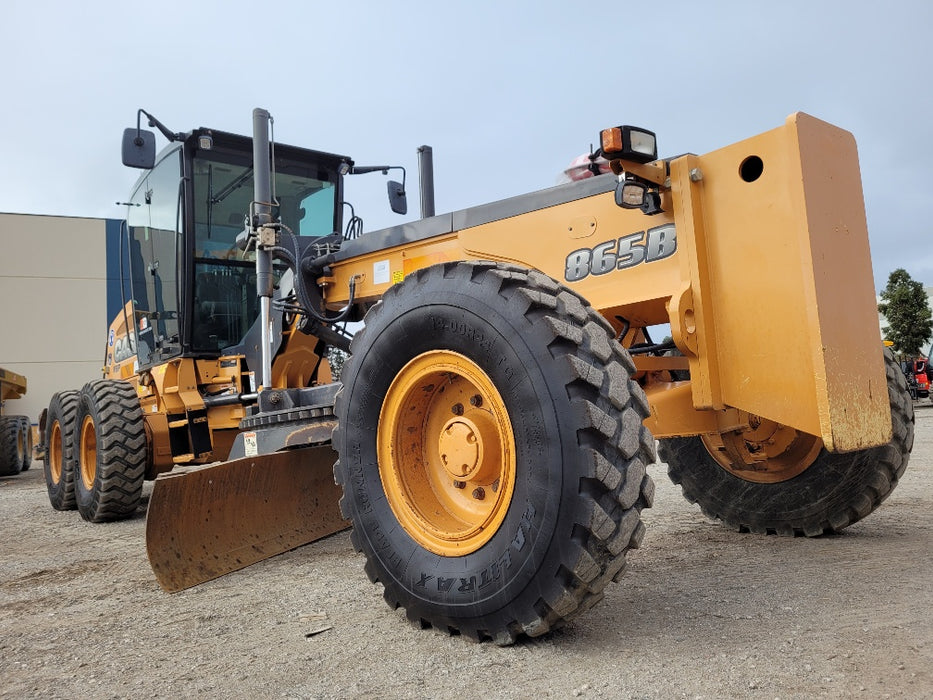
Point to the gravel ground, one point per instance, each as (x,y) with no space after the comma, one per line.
(701,612)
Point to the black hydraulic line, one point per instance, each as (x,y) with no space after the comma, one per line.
(305,300)
(626,326)
(651,348)
(354,225)
(645,348)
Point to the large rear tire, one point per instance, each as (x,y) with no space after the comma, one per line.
(491,450)
(109,451)
(12,446)
(803,491)
(59,450)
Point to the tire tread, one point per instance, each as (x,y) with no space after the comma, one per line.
(121,449)
(608,408)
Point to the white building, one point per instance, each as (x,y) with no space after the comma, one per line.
(59,285)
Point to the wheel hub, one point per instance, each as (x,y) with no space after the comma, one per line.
(469,447)
(55,452)
(459,448)
(446,453)
(765,452)
(87,454)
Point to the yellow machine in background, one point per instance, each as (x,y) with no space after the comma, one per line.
(15,431)
(495,417)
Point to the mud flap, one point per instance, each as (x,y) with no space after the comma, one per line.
(204,522)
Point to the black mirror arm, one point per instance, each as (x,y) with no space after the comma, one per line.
(158,125)
(384,169)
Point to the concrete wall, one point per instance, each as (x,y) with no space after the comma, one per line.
(53,303)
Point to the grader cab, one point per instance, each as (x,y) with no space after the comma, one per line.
(495,417)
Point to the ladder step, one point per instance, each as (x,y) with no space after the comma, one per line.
(181,423)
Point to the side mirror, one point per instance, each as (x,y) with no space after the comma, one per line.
(138,148)
(397,199)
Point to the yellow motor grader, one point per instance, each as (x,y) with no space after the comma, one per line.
(493,421)
(15,431)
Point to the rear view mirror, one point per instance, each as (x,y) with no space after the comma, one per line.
(138,148)
(397,199)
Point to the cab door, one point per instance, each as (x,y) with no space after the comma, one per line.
(155,240)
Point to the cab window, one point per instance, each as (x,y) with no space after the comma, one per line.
(225,302)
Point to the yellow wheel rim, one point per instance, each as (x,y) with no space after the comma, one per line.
(765,453)
(55,452)
(87,456)
(446,453)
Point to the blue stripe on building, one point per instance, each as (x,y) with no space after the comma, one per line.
(114,298)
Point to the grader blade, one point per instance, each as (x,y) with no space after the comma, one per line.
(205,522)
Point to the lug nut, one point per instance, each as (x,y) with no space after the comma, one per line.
(479,494)
(476,400)
(459,484)
(457,409)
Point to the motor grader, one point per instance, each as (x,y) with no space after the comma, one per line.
(492,425)
(15,431)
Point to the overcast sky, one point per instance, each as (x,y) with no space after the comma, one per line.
(507,93)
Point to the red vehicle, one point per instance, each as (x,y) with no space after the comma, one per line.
(918,380)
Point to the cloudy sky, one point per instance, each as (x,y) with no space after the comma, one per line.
(507,93)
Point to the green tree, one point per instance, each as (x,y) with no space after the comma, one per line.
(905,305)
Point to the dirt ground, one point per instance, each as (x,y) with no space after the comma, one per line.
(701,612)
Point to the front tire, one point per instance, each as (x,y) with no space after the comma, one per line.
(804,491)
(110,451)
(491,450)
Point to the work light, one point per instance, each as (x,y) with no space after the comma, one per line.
(629,143)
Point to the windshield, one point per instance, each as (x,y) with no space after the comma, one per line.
(225,302)
(223,192)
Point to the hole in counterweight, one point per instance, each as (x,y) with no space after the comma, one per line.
(751,168)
